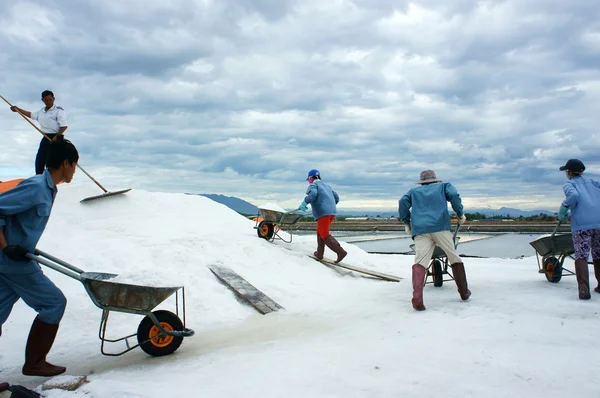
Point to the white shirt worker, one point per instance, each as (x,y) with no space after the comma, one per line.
(51,120)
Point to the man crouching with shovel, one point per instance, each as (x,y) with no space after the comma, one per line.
(24,213)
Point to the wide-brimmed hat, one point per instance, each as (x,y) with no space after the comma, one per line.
(427,176)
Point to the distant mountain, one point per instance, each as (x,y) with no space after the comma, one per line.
(243,207)
(236,204)
(508,211)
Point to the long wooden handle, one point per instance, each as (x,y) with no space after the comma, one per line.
(27,119)
(48,138)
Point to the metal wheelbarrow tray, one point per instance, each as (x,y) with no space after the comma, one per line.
(159,333)
(550,253)
(273,222)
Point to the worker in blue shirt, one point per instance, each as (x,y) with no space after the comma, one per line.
(323,201)
(582,200)
(24,213)
(424,211)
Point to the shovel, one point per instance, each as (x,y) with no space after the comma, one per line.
(106,192)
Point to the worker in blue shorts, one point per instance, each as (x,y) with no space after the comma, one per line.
(24,213)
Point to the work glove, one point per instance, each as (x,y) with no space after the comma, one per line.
(303,206)
(462,219)
(15,253)
(562,213)
(407,226)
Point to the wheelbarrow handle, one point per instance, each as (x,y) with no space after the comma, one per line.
(556,228)
(458,225)
(56,264)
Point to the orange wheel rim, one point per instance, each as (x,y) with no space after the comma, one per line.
(161,341)
(264,230)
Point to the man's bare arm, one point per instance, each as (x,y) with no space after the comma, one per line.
(23,111)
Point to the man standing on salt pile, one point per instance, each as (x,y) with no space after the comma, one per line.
(583,200)
(24,213)
(53,122)
(429,225)
(323,201)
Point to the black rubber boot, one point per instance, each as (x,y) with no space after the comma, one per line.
(583,279)
(335,246)
(39,343)
(597,273)
(460,277)
(320,248)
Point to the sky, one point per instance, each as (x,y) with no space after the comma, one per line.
(243,98)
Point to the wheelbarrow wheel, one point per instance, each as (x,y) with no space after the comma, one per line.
(265,230)
(552,269)
(438,275)
(149,338)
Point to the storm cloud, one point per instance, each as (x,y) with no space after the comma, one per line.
(243,98)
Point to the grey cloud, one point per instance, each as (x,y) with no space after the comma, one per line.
(243,98)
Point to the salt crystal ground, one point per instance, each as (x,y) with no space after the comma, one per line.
(339,336)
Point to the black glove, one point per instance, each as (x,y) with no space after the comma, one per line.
(15,253)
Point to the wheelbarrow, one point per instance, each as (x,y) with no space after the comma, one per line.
(269,224)
(159,333)
(550,253)
(439,265)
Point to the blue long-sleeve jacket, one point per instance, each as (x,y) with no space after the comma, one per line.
(24,213)
(583,199)
(322,199)
(429,204)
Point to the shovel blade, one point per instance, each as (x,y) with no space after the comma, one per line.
(104,195)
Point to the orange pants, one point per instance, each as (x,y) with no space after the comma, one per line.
(323,224)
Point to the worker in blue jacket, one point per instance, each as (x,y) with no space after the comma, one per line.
(24,213)
(323,200)
(582,199)
(424,211)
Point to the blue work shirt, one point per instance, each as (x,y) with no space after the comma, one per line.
(583,199)
(322,199)
(429,203)
(24,213)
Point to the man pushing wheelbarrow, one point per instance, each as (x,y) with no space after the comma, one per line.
(582,199)
(424,211)
(323,200)
(24,213)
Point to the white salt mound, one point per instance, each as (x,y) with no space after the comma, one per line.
(151,279)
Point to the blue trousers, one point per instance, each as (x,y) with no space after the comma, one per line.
(42,154)
(37,291)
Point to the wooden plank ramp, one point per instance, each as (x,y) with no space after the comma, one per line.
(241,287)
(380,275)
(337,270)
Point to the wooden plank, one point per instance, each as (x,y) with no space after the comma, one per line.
(260,301)
(365,271)
(342,272)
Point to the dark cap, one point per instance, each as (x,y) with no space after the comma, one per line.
(574,165)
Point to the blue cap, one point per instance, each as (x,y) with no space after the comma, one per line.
(313,173)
